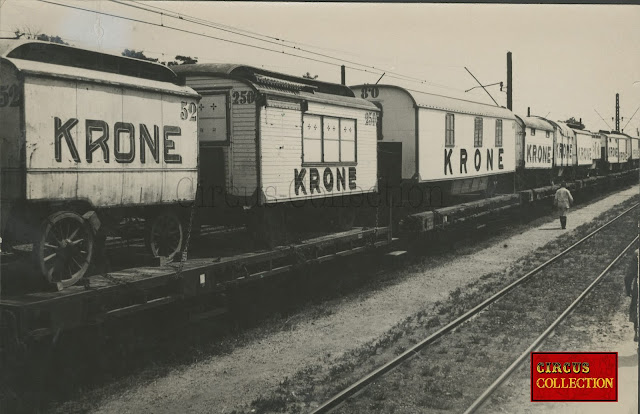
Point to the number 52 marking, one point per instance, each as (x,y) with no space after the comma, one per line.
(189,111)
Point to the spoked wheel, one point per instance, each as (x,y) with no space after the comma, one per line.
(64,248)
(164,235)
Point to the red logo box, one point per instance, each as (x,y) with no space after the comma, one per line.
(574,376)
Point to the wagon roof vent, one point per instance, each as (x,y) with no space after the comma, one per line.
(283,84)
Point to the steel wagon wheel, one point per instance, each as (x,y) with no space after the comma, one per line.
(164,235)
(64,248)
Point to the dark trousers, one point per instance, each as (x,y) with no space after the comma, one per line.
(563,221)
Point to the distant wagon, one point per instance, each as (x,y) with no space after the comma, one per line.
(280,146)
(429,141)
(564,149)
(587,152)
(634,142)
(534,151)
(614,150)
(87,139)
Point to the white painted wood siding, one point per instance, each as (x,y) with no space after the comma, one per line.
(623,154)
(538,150)
(398,123)
(240,155)
(635,148)
(438,162)
(281,149)
(584,143)
(97,176)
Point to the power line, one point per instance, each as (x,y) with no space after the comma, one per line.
(485,89)
(602,118)
(234,29)
(279,42)
(634,114)
(197,34)
(400,76)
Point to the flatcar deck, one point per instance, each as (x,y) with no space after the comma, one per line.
(131,290)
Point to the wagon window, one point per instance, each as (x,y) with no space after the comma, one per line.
(328,139)
(548,134)
(331,139)
(533,131)
(498,132)
(213,123)
(312,138)
(477,133)
(449,130)
(347,140)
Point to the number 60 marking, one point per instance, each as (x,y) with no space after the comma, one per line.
(366,91)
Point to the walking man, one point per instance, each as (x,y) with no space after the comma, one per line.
(631,289)
(563,201)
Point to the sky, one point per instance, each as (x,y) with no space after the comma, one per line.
(568,60)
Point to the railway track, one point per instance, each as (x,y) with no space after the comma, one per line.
(339,398)
(539,340)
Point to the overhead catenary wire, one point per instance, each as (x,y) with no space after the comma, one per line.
(371,69)
(602,118)
(485,89)
(634,114)
(276,41)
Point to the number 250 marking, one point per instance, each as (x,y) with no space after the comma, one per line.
(189,111)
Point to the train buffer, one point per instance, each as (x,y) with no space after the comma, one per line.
(195,282)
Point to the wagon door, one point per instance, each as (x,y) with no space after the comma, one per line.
(214,139)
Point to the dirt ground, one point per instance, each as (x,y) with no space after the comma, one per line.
(231,382)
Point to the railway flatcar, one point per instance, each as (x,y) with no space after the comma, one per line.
(287,149)
(534,152)
(430,142)
(87,139)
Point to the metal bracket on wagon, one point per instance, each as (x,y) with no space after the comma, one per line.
(91,217)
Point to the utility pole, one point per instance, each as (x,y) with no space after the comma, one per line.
(617,112)
(343,75)
(509,83)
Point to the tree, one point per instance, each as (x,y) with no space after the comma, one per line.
(574,123)
(137,54)
(182,60)
(29,33)
(309,76)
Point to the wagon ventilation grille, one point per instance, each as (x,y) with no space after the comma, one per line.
(283,84)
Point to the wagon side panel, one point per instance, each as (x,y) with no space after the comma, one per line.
(147,107)
(635,148)
(398,121)
(464,158)
(365,135)
(54,143)
(584,148)
(239,153)
(341,160)
(539,150)
(623,155)
(12,141)
(180,149)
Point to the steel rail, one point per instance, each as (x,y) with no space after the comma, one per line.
(534,346)
(358,385)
